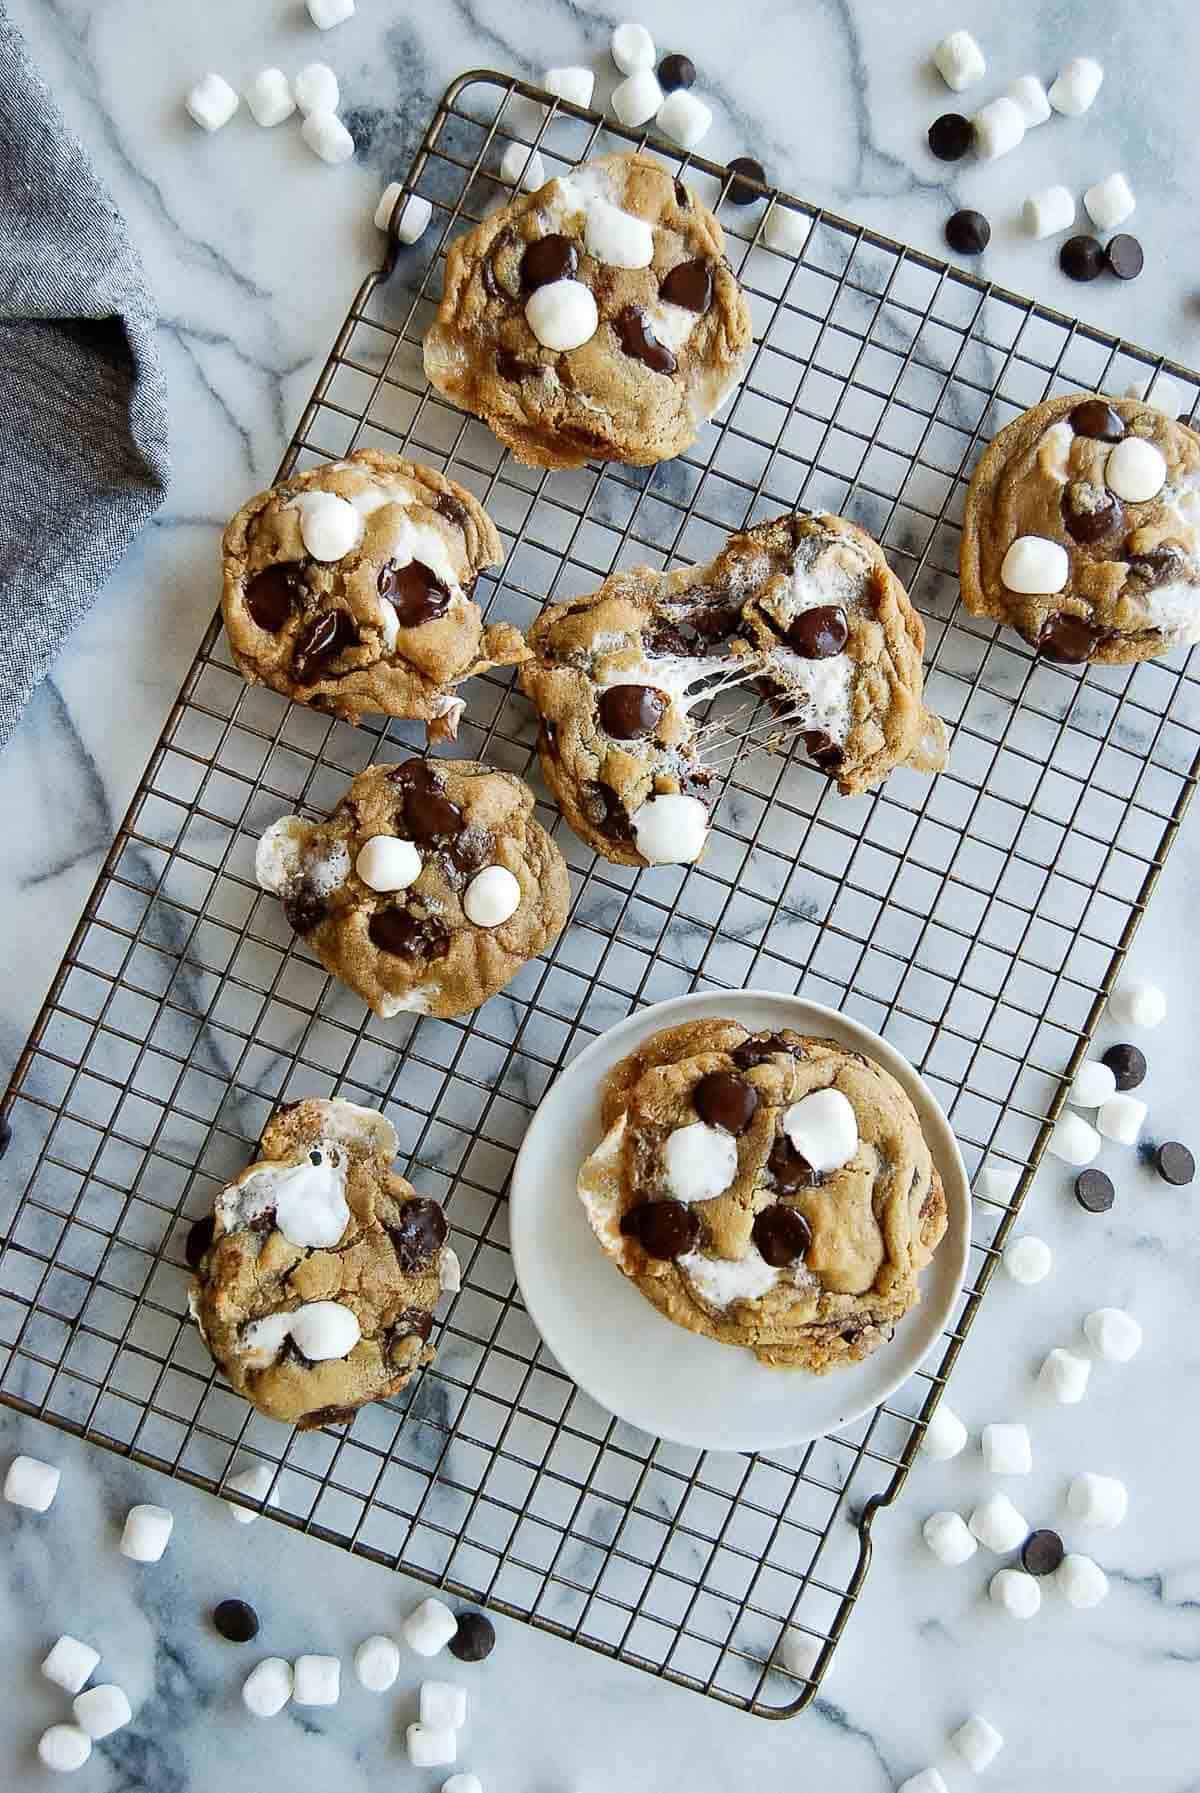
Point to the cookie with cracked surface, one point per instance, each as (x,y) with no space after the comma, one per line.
(348,587)
(427,889)
(595,319)
(804,608)
(317,1292)
(772,1191)
(1082,530)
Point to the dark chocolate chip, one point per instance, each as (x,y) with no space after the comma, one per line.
(475,1638)
(1174,1163)
(788,1168)
(413,1322)
(1094,1191)
(473,850)
(724,1099)
(320,642)
(425,811)
(1098,420)
(690,284)
(304,908)
(1067,639)
(549,258)
(511,367)
(1125,257)
(950,136)
(818,633)
(605,810)
(419,1234)
(762,1046)
(740,191)
(1127,1064)
(236,1620)
(408,936)
(273,596)
(676,71)
(639,341)
(1090,513)
(968,233)
(453,509)
(662,1229)
(199,1238)
(1042,1552)
(683,198)
(630,712)
(1158,566)
(781,1234)
(329,1416)
(415,592)
(1081,258)
(823,749)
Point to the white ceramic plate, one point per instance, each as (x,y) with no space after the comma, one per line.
(618,1348)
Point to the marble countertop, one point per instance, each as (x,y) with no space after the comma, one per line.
(253,249)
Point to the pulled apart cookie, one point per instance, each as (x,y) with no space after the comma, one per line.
(596,319)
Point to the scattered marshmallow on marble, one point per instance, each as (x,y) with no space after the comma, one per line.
(1076,86)
(430,1749)
(1018,1593)
(429,1627)
(1110,202)
(325,14)
(102,1710)
(255,1484)
(323,1330)
(999,127)
(1035,565)
(684,119)
(572,84)
(823,1128)
(31,1483)
(449,1271)
(327,137)
(959,61)
(637,99)
(212,102)
(928,1781)
(699,1161)
(977,1742)
(317,1681)
(997,1182)
(385,863)
(671,829)
(1121,1118)
(998,1525)
(799,1653)
(786,230)
(463,1783)
(1028,1259)
(562,314)
(316,88)
(1074,1140)
(1006,1449)
(492,897)
(70,1663)
(1099,1500)
(632,48)
(1094,1083)
(64,1748)
(1065,1376)
(1046,213)
(414,218)
(945,1435)
(377,1663)
(1113,1334)
(1082,1581)
(1135,470)
(523,167)
(330,526)
(1136,1003)
(1031,99)
(146,1533)
(949,1538)
(269,97)
(268,1687)
(443,1706)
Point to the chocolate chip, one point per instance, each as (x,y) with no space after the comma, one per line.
(823,749)
(605,810)
(549,258)
(415,592)
(329,1416)
(1158,566)
(968,233)
(639,341)
(1042,1552)
(408,936)
(740,191)
(1174,1163)
(426,813)
(320,642)
(1097,420)
(412,1322)
(690,284)
(683,198)
(1081,258)
(630,712)
(1090,513)
(419,1234)
(304,908)
(788,1168)
(1127,1064)
(1094,1191)
(762,1046)
(1067,639)
(950,136)
(817,634)
(453,509)
(200,1235)
(662,1229)
(475,1638)
(236,1620)
(1125,257)
(511,367)
(273,596)
(725,1100)
(473,850)
(676,71)
(781,1234)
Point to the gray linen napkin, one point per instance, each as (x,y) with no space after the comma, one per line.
(83,422)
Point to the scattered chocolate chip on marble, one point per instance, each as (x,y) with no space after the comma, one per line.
(1125,257)
(198,1240)
(740,191)
(236,1620)
(1094,1191)
(1042,1552)
(474,1639)
(950,136)
(968,233)
(1081,258)
(1174,1163)
(676,71)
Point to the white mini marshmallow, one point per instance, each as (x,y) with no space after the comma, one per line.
(1121,1118)
(1135,1003)
(317,1681)
(492,897)
(949,1538)
(798,1652)
(1077,86)
(102,1710)
(1113,1334)
(1099,1500)
(617,237)
(977,1742)
(998,1182)
(430,1749)
(429,1627)
(146,1533)
(387,202)
(699,1162)
(64,1748)
(945,1435)
(1018,1593)
(463,1783)
(562,314)
(323,1330)
(414,218)
(786,231)
(632,48)
(998,1525)
(999,127)
(1082,1581)
(268,1687)
(330,526)
(1035,565)
(377,1663)
(443,1706)
(1032,100)
(31,1483)
(449,1271)
(928,1781)
(325,14)
(1006,1449)
(1074,1140)
(1065,1376)
(327,137)
(1046,213)
(670,830)
(1110,202)
(1135,470)
(212,102)
(307,1200)
(1028,1259)
(684,119)
(70,1663)
(385,863)
(316,88)
(523,167)
(959,61)
(269,97)
(255,1484)
(1094,1084)
(823,1128)
(638,98)
(573,84)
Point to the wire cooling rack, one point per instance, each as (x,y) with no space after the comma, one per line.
(976,920)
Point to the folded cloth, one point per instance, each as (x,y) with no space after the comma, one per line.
(83,421)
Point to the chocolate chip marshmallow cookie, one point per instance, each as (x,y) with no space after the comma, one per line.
(594,319)
(1082,530)
(766,1190)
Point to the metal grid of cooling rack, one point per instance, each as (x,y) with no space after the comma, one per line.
(976,920)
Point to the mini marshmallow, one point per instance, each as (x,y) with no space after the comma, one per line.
(414,218)
(1018,1593)
(1113,1334)
(684,119)
(102,1710)
(269,98)
(31,1483)
(949,1538)
(377,1663)
(637,99)
(1135,470)
(1065,1376)
(1083,1582)
(64,1748)
(449,1271)
(669,830)
(1074,1140)
(998,1525)
(523,167)
(463,1783)
(268,1688)
(799,1653)
(317,1681)
(323,1330)
(443,1706)
(1006,1450)
(572,84)
(330,526)
(945,1435)
(1094,1084)
(430,1749)
(562,314)
(1028,1259)
(1099,1500)
(1035,565)
(959,61)
(998,1182)
(429,1627)
(977,1742)
(70,1663)
(928,1781)
(1135,1003)
(786,231)
(316,88)
(632,48)
(1044,214)
(147,1533)
(325,14)
(1110,202)
(212,102)
(699,1162)
(1121,1118)
(327,137)
(617,237)
(823,1128)
(1031,100)
(492,897)
(255,1484)
(387,201)
(999,126)
(1076,87)
(385,863)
